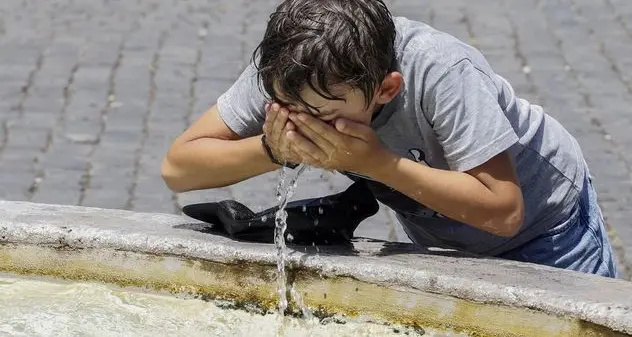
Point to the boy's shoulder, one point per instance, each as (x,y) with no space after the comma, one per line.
(423,49)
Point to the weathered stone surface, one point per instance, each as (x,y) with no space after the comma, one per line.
(114,76)
(594,299)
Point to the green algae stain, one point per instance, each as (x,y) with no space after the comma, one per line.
(252,286)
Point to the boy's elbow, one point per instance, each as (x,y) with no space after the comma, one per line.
(511,221)
(172,177)
(511,226)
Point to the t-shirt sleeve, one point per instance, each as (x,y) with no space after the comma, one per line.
(242,106)
(462,107)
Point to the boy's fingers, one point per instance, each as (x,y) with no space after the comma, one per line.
(270,117)
(304,145)
(305,157)
(284,143)
(272,113)
(279,125)
(314,129)
(352,129)
(289,126)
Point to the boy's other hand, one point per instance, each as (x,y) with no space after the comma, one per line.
(343,146)
(275,128)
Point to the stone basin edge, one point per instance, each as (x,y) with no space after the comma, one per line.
(594,299)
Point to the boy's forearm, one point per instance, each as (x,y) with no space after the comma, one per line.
(211,163)
(456,195)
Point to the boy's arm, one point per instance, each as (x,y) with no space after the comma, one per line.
(224,146)
(209,155)
(481,188)
(487,197)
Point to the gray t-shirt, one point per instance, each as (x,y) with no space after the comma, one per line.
(454,113)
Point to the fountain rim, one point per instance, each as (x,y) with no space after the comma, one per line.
(466,277)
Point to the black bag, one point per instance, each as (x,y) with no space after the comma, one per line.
(325,220)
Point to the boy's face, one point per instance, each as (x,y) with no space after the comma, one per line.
(353,107)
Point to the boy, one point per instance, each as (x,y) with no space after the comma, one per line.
(440,138)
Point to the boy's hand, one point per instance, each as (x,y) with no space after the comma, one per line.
(275,129)
(346,146)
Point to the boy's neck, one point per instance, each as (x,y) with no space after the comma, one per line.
(377,111)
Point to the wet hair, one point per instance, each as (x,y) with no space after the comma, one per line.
(324,43)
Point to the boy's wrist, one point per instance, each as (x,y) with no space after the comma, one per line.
(383,167)
(270,155)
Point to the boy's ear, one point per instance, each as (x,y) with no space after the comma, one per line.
(390,87)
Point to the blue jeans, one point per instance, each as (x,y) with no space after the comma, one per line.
(581,243)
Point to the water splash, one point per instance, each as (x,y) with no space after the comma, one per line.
(283,196)
(298,299)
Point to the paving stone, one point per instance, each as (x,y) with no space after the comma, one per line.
(20,54)
(379,227)
(216,68)
(207,92)
(152,187)
(64,155)
(21,137)
(577,55)
(52,102)
(126,118)
(93,77)
(59,187)
(14,191)
(8,110)
(156,205)
(211,195)
(116,161)
(105,198)
(18,158)
(101,55)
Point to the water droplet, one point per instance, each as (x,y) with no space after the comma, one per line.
(321,210)
(290,237)
(264,218)
(304,208)
(315,222)
(355,208)
(526,70)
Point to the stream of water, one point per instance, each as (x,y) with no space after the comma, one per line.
(284,193)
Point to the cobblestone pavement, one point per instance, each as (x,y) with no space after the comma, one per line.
(92,92)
